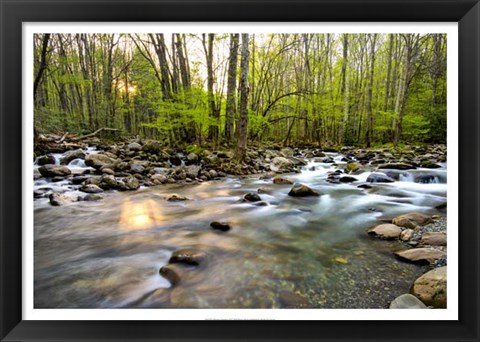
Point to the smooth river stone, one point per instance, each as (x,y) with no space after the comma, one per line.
(386,231)
(301,190)
(420,255)
(407,301)
(434,238)
(411,220)
(187,256)
(431,288)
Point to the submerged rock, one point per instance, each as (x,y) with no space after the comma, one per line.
(176,198)
(407,301)
(431,288)
(301,190)
(292,300)
(424,179)
(92,197)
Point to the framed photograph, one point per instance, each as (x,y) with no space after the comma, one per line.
(239,171)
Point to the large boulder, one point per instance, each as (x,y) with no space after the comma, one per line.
(281,163)
(411,220)
(420,255)
(431,288)
(379,178)
(301,190)
(71,155)
(51,170)
(385,231)
(407,301)
(97,161)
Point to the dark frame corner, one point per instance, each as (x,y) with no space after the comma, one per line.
(13,13)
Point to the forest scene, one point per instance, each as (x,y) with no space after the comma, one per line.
(234,170)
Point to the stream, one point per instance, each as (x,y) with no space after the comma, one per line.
(289,252)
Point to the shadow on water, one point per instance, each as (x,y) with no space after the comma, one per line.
(291,253)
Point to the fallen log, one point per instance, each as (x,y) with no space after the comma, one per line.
(94,133)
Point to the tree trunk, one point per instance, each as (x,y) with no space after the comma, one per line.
(370,91)
(243,121)
(231,87)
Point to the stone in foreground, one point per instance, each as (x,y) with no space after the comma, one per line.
(301,190)
(434,238)
(407,301)
(385,231)
(431,288)
(420,255)
(411,220)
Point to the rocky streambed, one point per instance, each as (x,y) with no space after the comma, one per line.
(140,225)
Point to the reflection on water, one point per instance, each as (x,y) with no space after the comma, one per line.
(142,215)
(293,252)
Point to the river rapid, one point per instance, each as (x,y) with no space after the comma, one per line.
(287,252)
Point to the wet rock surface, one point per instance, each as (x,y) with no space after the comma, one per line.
(431,288)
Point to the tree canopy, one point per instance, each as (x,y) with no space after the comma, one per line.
(327,89)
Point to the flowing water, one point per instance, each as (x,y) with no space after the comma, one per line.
(292,252)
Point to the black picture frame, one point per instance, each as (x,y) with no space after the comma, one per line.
(14,12)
